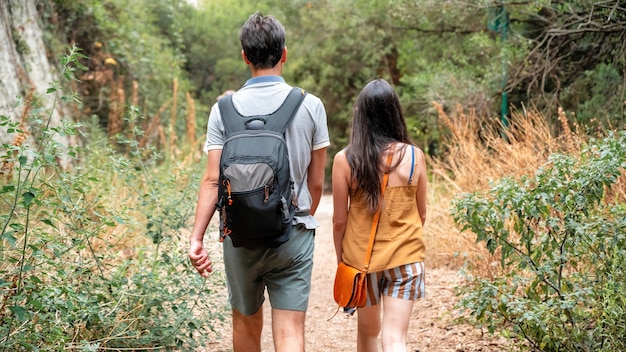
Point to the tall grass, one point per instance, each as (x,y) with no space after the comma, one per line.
(543,226)
(93,257)
(479,150)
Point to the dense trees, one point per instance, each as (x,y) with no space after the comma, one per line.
(568,53)
(576,58)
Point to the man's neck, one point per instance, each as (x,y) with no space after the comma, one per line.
(274,71)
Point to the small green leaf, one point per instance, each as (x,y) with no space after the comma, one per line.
(7,188)
(28,198)
(8,236)
(35,279)
(48,222)
(20,312)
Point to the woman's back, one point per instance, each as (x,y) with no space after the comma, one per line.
(396,264)
(405,157)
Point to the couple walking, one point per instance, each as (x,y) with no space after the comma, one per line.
(379,133)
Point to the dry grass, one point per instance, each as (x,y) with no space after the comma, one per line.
(173,113)
(116,108)
(191,121)
(151,132)
(121,240)
(479,151)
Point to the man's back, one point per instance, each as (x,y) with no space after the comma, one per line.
(262,96)
(283,272)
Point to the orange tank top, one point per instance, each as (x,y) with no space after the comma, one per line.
(399,239)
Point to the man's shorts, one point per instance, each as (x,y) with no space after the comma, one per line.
(285,272)
(404,282)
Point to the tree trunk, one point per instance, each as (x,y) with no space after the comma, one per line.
(24,67)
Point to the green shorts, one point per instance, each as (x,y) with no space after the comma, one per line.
(285,272)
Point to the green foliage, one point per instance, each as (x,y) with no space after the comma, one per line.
(338,47)
(570,63)
(446,55)
(561,244)
(20,44)
(210,36)
(430,50)
(131,34)
(598,97)
(91,255)
(126,42)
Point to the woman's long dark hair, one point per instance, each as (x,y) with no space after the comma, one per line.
(377,122)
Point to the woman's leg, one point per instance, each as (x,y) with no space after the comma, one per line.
(368,328)
(396,316)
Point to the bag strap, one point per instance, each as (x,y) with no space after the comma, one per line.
(277,121)
(370,245)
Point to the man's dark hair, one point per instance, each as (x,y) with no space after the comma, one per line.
(262,39)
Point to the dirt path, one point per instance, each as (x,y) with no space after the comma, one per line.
(431,327)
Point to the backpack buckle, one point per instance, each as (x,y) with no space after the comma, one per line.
(226,183)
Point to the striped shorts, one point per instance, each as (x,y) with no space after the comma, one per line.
(404,282)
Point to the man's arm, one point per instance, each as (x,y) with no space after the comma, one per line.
(315,181)
(207,197)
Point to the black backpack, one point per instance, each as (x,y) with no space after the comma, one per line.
(256,198)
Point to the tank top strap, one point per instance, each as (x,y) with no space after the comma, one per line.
(412,164)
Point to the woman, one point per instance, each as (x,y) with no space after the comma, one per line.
(396,271)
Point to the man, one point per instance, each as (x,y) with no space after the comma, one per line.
(285,271)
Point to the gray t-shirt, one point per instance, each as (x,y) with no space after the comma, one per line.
(307,131)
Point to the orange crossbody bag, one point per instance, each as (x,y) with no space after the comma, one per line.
(350,288)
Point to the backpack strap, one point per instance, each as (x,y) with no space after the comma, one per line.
(281,118)
(230,115)
(277,121)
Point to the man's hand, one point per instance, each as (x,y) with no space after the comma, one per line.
(200,258)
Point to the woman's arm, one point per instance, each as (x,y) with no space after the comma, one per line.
(422,184)
(341,186)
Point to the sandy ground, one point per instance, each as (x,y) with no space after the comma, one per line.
(431,328)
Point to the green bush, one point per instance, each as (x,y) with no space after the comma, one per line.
(597,98)
(93,257)
(561,241)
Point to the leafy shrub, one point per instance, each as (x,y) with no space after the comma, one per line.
(93,256)
(561,243)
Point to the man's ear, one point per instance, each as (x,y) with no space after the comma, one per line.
(283,57)
(245,58)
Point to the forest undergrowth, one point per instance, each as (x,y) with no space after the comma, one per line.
(93,255)
(537,221)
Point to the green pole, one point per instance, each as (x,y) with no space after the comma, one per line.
(504,29)
(499,22)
